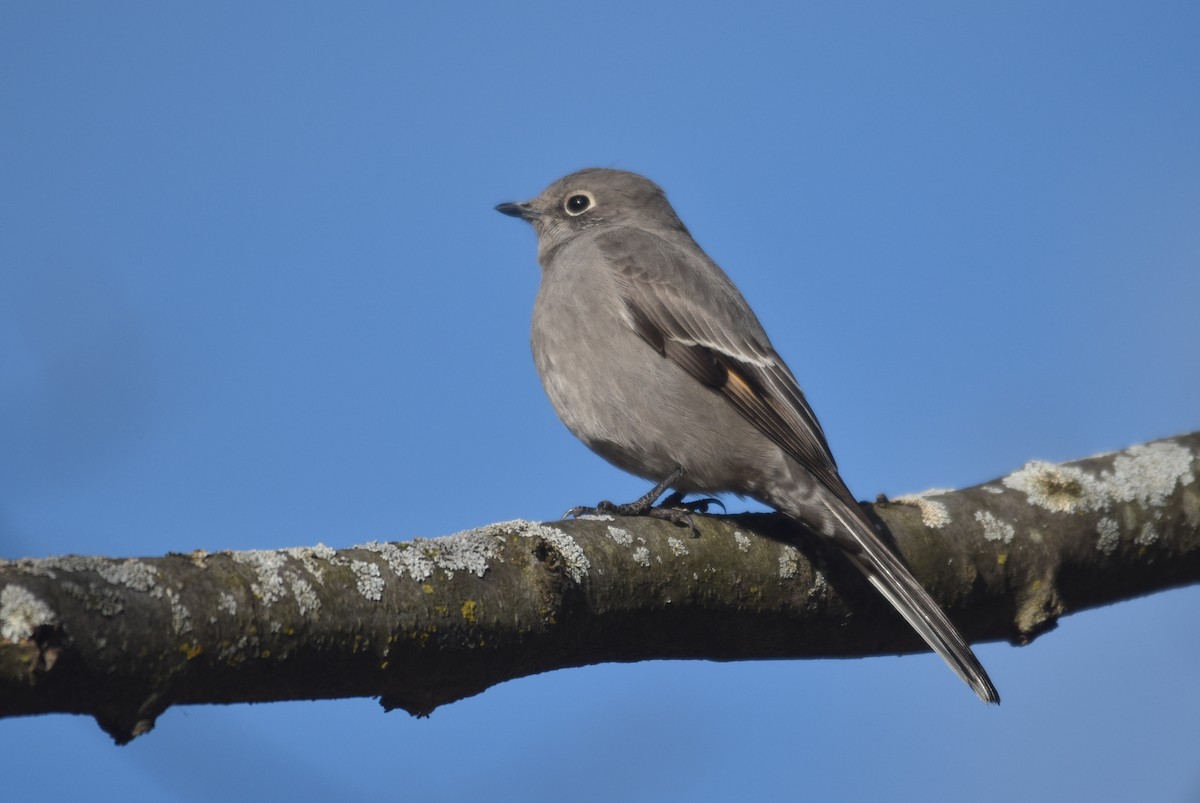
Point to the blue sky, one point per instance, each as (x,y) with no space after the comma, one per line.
(253,294)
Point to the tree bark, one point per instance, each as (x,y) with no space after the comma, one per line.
(427,622)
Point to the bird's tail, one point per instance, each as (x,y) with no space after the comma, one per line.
(893,579)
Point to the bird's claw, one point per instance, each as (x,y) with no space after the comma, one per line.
(603,508)
(676,516)
(676,500)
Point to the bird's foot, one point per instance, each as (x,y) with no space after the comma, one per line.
(673,509)
(675,515)
(677,500)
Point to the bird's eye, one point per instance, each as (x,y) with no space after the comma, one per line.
(578,203)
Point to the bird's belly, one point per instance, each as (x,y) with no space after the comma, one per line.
(639,410)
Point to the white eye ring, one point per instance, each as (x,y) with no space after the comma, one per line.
(578,202)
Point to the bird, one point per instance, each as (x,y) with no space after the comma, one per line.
(653,358)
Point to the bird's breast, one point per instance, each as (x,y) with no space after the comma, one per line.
(629,403)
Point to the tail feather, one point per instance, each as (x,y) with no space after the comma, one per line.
(911,600)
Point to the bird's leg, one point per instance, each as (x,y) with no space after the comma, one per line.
(644,505)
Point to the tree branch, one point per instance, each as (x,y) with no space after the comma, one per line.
(428,622)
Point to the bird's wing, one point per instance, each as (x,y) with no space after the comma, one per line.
(693,315)
(688,310)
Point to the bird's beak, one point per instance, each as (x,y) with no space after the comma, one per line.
(522,210)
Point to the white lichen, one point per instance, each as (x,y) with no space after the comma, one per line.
(789,562)
(467,551)
(307,600)
(1060,489)
(1146,475)
(620,536)
(22,612)
(1109,533)
(1147,535)
(819,591)
(227,603)
(677,546)
(181,617)
(933,514)
(417,561)
(130,573)
(642,556)
(268,568)
(368,578)
(742,540)
(575,561)
(395,554)
(995,529)
(314,559)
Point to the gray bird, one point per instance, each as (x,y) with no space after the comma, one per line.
(652,358)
